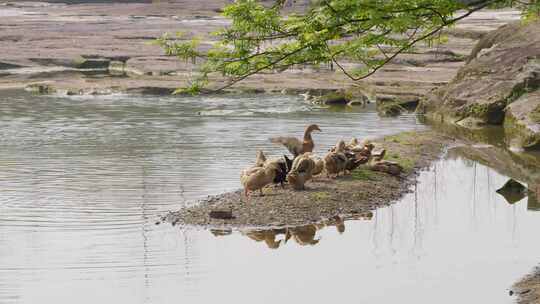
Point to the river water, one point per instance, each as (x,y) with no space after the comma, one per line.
(84,180)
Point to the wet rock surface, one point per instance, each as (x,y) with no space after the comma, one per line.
(348,196)
(522,121)
(116,38)
(499,84)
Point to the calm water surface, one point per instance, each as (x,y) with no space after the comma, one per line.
(84,179)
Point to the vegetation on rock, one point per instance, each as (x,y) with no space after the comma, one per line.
(535,115)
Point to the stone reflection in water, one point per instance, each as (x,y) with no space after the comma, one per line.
(513,191)
(302,235)
(521,166)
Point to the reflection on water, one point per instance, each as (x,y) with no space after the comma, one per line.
(453,239)
(84,179)
(302,235)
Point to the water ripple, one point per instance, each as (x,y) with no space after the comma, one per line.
(84,178)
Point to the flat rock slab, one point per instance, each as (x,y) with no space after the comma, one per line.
(522,122)
(38,34)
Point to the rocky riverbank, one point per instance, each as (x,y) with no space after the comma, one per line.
(103,48)
(499,86)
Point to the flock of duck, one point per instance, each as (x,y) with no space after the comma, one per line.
(304,165)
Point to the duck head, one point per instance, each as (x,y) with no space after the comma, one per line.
(340,146)
(369,146)
(312,128)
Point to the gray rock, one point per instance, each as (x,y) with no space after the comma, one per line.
(513,191)
(522,122)
(117,67)
(392,105)
(338,98)
(504,66)
(7,66)
(91,62)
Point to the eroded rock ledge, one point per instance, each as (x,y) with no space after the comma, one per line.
(499,85)
(103,48)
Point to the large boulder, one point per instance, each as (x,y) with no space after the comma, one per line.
(503,68)
(522,121)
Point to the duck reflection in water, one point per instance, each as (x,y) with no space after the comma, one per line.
(302,235)
(267,236)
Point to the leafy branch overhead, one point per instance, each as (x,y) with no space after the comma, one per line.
(370,32)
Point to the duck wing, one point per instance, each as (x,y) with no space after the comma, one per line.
(293,144)
(280,167)
(261,158)
(378,156)
(248,174)
(303,164)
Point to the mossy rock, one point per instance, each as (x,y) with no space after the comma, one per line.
(40,88)
(336,98)
(504,66)
(117,68)
(522,122)
(7,66)
(535,115)
(391,105)
(390,109)
(162,91)
(91,63)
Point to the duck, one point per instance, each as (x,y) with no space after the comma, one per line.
(301,171)
(379,155)
(387,166)
(363,152)
(295,145)
(319,163)
(352,162)
(336,160)
(285,165)
(256,178)
(260,159)
(352,144)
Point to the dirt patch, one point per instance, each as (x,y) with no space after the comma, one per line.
(528,289)
(356,194)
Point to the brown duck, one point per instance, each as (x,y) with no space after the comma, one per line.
(295,145)
(301,171)
(256,178)
(336,160)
